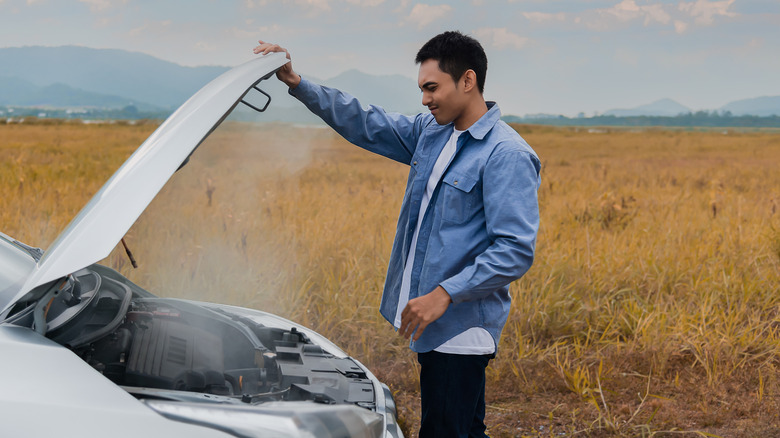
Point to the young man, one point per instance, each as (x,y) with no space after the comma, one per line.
(467,226)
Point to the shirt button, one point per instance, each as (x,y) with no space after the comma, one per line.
(415,163)
(456,182)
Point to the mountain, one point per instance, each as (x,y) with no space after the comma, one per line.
(757,106)
(391,92)
(663,107)
(73,76)
(136,77)
(18,92)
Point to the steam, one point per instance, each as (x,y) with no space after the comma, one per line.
(211,232)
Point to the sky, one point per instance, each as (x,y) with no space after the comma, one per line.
(544,56)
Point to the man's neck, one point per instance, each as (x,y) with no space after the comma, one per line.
(473,112)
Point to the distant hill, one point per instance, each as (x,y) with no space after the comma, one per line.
(757,106)
(663,107)
(18,92)
(136,77)
(73,76)
(392,92)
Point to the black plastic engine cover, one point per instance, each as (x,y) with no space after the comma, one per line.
(171,355)
(311,374)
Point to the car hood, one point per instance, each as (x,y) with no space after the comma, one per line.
(100,225)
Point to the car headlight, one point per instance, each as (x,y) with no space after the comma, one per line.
(283,419)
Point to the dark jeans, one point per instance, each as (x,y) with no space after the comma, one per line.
(452,389)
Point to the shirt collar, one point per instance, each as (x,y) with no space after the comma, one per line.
(485,123)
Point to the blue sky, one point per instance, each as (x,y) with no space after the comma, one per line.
(551,56)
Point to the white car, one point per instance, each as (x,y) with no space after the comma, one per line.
(84,352)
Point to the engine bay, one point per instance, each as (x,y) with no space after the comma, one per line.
(140,341)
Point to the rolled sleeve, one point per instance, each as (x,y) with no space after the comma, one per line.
(511,181)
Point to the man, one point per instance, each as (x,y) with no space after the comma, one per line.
(467,226)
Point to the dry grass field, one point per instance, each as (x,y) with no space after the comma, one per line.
(652,309)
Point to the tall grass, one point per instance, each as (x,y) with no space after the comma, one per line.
(652,304)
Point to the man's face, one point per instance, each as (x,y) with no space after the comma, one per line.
(444,98)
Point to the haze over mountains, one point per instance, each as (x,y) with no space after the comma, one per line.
(663,107)
(73,76)
(758,106)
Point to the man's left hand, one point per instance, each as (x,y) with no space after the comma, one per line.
(421,311)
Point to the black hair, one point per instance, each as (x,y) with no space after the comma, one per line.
(456,53)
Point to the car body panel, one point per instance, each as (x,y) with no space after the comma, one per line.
(100,225)
(49,403)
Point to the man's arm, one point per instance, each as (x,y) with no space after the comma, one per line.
(512,218)
(389,134)
(509,190)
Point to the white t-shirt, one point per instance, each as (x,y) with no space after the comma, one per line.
(475,340)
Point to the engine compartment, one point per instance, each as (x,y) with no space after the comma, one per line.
(140,341)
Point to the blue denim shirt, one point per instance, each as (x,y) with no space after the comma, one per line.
(479,231)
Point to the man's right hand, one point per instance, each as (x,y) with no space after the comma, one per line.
(284,74)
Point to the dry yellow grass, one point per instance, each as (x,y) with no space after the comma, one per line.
(652,305)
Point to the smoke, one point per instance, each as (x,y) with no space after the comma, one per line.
(213,232)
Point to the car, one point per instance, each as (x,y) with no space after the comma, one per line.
(86,352)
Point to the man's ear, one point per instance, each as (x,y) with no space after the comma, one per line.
(469,80)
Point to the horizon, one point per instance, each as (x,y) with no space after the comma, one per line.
(560,57)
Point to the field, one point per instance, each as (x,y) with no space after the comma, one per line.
(652,309)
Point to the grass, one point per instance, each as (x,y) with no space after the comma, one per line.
(651,308)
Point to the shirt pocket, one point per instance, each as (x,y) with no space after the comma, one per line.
(458,197)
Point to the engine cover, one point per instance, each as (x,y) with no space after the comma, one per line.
(172,355)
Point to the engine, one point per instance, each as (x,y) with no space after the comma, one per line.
(140,341)
(184,347)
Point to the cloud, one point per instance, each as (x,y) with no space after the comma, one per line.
(316,5)
(256,32)
(628,10)
(251,4)
(541,17)
(402,5)
(423,14)
(369,3)
(652,12)
(205,47)
(704,11)
(655,13)
(500,38)
(151,28)
(625,12)
(99,5)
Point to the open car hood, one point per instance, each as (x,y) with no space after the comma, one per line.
(101,224)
